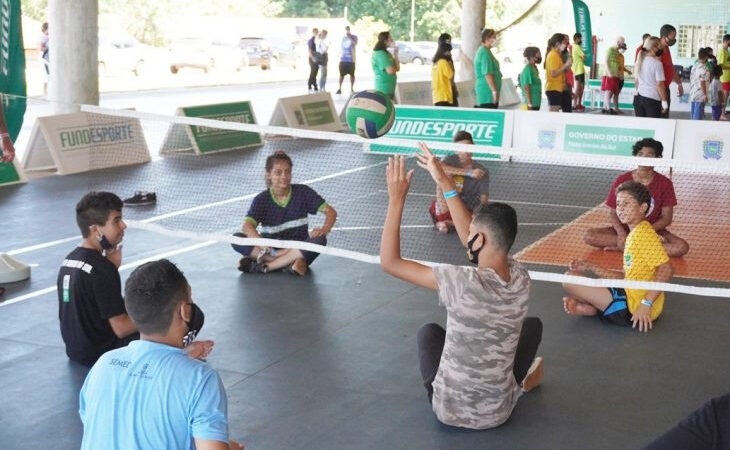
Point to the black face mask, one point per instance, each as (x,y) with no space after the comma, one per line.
(104,242)
(471,254)
(194,325)
(538,60)
(671,42)
(659,52)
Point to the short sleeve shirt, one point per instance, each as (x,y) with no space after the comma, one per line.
(554,62)
(643,253)
(89,294)
(611,68)
(650,74)
(579,57)
(474,386)
(347,47)
(723,59)
(530,77)
(698,74)
(384,82)
(486,64)
(442,76)
(660,188)
(149,395)
(288,220)
(668,66)
(470,188)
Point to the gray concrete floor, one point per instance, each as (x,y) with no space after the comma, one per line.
(329,361)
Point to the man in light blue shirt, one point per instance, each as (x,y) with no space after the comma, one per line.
(151,394)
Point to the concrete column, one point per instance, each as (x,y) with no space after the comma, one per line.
(473,14)
(73,28)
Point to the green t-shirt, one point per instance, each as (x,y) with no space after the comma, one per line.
(384,82)
(485,63)
(579,56)
(723,57)
(531,77)
(612,64)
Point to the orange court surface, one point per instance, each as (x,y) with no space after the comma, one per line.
(701,217)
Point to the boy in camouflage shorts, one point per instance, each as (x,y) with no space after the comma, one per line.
(476,369)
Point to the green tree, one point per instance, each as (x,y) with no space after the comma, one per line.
(35,9)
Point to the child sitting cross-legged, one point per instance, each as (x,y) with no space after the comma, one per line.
(645,259)
(476,369)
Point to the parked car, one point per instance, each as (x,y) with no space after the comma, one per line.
(286,53)
(408,54)
(427,49)
(257,51)
(121,53)
(206,54)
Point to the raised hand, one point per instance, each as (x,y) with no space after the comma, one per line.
(398,180)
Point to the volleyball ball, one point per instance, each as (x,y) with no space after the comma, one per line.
(370,114)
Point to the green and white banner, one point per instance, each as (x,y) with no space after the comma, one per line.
(575,133)
(583,26)
(490,128)
(202,140)
(310,112)
(12,80)
(700,140)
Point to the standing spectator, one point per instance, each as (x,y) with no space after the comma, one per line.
(555,70)
(668,37)
(622,71)
(348,48)
(313,61)
(43,48)
(487,74)
(149,394)
(711,59)
(445,38)
(323,46)
(385,65)
(650,98)
(530,79)
(567,98)
(579,71)
(715,94)
(610,80)
(723,61)
(442,76)
(7,150)
(641,45)
(698,82)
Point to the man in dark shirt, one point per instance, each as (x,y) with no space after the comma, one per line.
(90,304)
(313,61)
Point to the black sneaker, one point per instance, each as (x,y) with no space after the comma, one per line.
(339,92)
(141,198)
(248,264)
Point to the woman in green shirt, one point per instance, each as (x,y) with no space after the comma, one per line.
(384,64)
(530,79)
(488,77)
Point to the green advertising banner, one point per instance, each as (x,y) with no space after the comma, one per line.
(12,77)
(603,140)
(210,140)
(583,26)
(430,124)
(317,113)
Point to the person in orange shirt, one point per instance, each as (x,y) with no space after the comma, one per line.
(555,69)
(644,260)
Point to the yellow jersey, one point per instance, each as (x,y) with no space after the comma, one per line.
(441,76)
(643,253)
(554,62)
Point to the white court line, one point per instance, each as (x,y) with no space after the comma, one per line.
(194,208)
(129,265)
(552,205)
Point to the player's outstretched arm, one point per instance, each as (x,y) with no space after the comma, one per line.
(459,213)
(390,258)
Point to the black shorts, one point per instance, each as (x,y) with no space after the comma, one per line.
(617,312)
(555,98)
(347,68)
(581,78)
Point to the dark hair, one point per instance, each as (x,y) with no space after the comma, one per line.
(94,209)
(530,52)
(444,37)
(666,30)
(648,142)
(443,52)
(463,135)
(151,294)
(347,27)
(726,38)
(554,40)
(382,43)
(637,190)
(703,53)
(273,158)
(44,27)
(716,71)
(576,36)
(487,33)
(501,221)
(644,37)
(710,51)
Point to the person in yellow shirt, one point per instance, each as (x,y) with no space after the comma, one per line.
(644,260)
(579,71)
(555,72)
(442,77)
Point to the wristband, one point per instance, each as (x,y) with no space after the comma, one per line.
(646,302)
(4,134)
(451,194)
(665,104)
(469,173)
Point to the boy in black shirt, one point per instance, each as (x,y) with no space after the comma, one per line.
(90,304)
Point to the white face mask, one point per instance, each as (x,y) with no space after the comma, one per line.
(622,50)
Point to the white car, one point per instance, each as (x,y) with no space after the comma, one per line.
(121,53)
(206,54)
